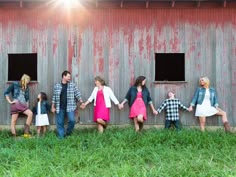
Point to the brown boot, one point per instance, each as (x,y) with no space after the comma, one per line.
(26,129)
(227,127)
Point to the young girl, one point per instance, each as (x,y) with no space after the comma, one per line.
(102,96)
(41,111)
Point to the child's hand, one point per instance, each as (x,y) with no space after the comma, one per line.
(155,112)
(190,108)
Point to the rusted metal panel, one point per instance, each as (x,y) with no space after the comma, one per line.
(119,45)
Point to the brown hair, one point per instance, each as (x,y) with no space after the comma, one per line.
(43,96)
(139,81)
(65,73)
(101,80)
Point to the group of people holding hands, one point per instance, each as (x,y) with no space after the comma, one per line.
(66,95)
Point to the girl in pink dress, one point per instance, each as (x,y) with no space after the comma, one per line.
(138,97)
(102,96)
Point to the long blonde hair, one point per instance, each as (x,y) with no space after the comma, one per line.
(24,81)
(206,80)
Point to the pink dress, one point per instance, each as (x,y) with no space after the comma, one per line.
(138,107)
(100,110)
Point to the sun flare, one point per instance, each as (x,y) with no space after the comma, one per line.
(69,3)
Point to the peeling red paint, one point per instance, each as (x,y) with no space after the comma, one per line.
(55,45)
(198,67)
(70,55)
(34,46)
(101,65)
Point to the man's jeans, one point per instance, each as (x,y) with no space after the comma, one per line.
(60,118)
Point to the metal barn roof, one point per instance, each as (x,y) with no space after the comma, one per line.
(125,3)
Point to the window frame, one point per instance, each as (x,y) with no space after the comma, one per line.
(170,81)
(34,79)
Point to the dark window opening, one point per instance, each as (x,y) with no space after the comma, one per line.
(22,63)
(169,67)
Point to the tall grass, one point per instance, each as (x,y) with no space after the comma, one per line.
(120,152)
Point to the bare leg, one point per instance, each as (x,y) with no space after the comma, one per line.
(140,118)
(140,121)
(101,121)
(29,114)
(100,128)
(101,125)
(202,123)
(136,125)
(13,123)
(224,120)
(223,115)
(38,130)
(44,129)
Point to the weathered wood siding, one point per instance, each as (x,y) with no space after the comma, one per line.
(120,44)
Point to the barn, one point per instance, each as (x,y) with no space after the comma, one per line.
(171,42)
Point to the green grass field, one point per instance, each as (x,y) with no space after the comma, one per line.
(120,152)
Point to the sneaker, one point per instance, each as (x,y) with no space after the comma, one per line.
(26,135)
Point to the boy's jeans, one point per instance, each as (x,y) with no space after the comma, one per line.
(60,118)
(175,122)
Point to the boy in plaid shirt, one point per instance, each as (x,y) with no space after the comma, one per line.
(172,105)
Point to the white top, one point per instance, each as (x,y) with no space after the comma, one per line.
(205,109)
(39,108)
(41,119)
(108,96)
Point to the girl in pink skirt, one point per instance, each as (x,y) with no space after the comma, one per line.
(138,97)
(102,96)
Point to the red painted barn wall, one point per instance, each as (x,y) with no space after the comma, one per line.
(120,44)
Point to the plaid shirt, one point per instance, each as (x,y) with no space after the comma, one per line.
(73,94)
(172,108)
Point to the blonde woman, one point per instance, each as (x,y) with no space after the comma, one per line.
(102,96)
(19,103)
(206,100)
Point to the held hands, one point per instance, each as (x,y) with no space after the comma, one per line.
(83,106)
(120,106)
(190,108)
(53,110)
(155,112)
